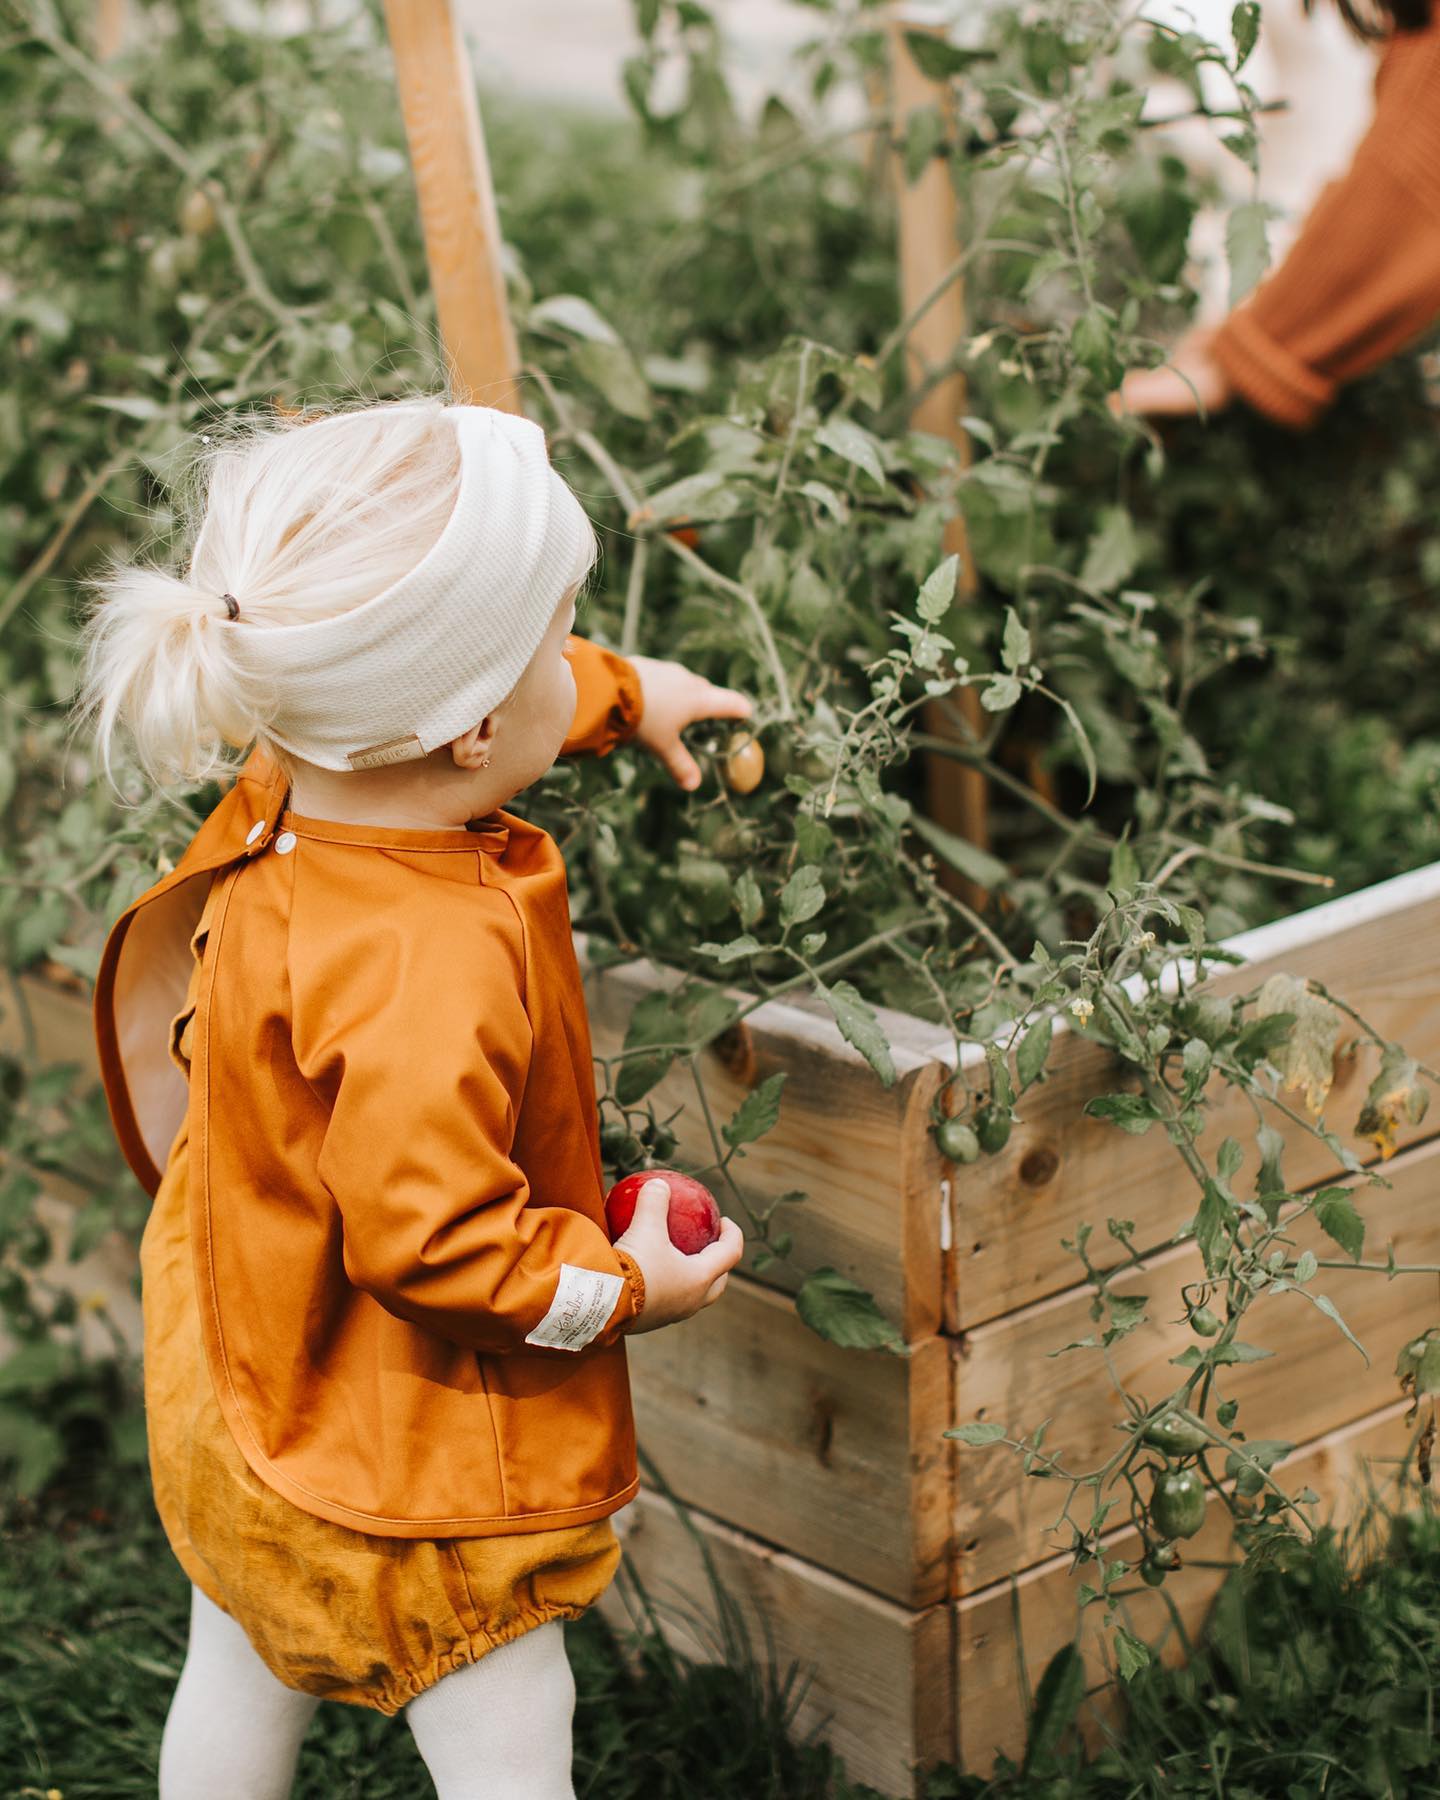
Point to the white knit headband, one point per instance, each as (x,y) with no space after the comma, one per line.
(428,657)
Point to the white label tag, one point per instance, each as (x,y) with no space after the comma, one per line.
(584,1301)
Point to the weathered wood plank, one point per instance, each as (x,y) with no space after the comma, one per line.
(1315,1383)
(1378,950)
(837,1455)
(989,1648)
(863,1153)
(881,1675)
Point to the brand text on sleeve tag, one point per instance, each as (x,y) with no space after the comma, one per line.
(584,1300)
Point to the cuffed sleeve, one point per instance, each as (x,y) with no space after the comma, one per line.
(608,701)
(425,1060)
(1362,278)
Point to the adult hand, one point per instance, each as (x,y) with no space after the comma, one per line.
(674,697)
(1191,382)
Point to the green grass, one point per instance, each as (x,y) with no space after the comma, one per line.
(1317,1675)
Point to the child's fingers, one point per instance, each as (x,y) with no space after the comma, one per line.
(721,1256)
(722,703)
(652,1206)
(681,764)
(715,1289)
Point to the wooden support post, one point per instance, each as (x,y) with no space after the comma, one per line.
(929,245)
(110,22)
(457,201)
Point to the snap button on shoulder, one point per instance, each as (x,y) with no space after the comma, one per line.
(255,831)
(285,843)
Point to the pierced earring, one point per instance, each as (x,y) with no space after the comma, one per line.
(484,762)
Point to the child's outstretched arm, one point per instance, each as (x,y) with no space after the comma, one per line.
(643,698)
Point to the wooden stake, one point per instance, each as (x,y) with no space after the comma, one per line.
(110,24)
(457,201)
(929,245)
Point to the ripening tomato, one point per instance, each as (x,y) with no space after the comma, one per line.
(744,764)
(992,1126)
(957,1140)
(1177,1504)
(1174,1435)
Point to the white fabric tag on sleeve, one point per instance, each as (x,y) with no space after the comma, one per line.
(582,1307)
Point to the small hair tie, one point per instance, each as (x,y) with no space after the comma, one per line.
(232,606)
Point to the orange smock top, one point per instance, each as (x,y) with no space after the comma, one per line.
(412,1313)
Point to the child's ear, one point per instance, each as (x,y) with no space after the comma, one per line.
(474,748)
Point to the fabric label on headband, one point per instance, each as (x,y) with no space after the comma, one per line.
(584,1300)
(393,750)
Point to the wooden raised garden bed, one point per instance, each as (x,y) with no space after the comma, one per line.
(892,1563)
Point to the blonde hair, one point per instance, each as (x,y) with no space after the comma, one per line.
(297,518)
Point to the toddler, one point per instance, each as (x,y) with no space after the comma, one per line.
(345,1049)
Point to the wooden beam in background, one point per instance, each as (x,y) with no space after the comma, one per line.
(929,221)
(457,201)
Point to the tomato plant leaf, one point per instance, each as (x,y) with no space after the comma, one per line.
(1338,1219)
(757,1113)
(802,896)
(573,313)
(854,444)
(1332,1311)
(612,369)
(638,1074)
(975,864)
(938,59)
(1245,29)
(1112,553)
(1246,247)
(1306,1056)
(1131,1112)
(1000,693)
(1248,1467)
(859,1026)
(977,1435)
(1213,1222)
(1131,1656)
(733,951)
(1057,1700)
(836,1308)
(937,591)
(1015,645)
(749,901)
(1033,1050)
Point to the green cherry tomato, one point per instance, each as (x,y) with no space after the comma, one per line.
(1174,1435)
(957,1140)
(992,1127)
(1177,1505)
(1152,1573)
(1204,1321)
(1209,1017)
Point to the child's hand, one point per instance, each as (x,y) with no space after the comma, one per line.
(674,697)
(676,1285)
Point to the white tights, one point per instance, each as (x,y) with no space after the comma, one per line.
(498,1728)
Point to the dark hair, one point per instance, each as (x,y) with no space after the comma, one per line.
(1374,19)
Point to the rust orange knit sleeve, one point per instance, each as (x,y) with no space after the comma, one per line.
(1362,278)
(608,704)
